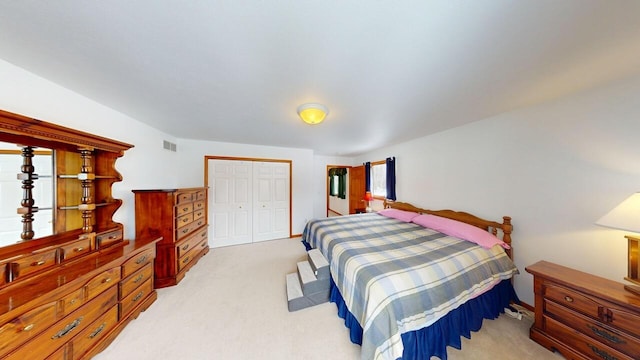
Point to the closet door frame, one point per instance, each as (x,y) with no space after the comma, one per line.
(289,162)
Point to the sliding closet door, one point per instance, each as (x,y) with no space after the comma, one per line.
(230,208)
(271,200)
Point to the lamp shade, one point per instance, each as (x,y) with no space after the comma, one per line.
(312,113)
(625,216)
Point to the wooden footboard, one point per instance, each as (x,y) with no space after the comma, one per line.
(491,226)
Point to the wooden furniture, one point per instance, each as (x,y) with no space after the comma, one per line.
(179,216)
(584,316)
(69,294)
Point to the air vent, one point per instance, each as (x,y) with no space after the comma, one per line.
(169,146)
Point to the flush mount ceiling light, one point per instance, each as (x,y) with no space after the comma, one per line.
(312,113)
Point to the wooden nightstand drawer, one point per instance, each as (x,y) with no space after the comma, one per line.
(594,329)
(108,238)
(573,300)
(584,344)
(184,220)
(72,301)
(184,197)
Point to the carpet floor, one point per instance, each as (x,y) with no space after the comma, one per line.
(233,305)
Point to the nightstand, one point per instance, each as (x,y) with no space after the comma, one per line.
(583,316)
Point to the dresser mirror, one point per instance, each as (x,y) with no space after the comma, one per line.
(54,181)
(11,193)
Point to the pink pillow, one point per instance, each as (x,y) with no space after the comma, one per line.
(401,215)
(460,230)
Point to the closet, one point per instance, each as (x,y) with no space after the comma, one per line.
(250,200)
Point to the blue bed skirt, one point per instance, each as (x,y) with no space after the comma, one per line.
(433,340)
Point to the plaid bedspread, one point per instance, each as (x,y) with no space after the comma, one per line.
(397,277)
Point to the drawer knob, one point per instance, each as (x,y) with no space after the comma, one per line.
(78,249)
(141,260)
(605,335)
(67,329)
(38,263)
(97,331)
(601,353)
(184,248)
(568,298)
(138,296)
(28,327)
(138,278)
(106,280)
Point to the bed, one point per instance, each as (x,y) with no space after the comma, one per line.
(409,282)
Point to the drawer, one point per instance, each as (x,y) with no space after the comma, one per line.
(136,279)
(26,326)
(626,321)
(72,301)
(184,197)
(75,249)
(189,256)
(185,208)
(109,238)
(594,329)
(200,205)
(198,214)
(90,336)
(184,220)
(59,334)
(101,282)
(573,300)
(201,195)
(191,242)
(582,343)
(28,264)
(138,261)
(135,298)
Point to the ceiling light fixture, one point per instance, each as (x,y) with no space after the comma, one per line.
(312,113)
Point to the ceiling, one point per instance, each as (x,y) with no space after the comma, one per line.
(389,71)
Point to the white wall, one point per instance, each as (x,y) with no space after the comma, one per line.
(555,168)
(146,165)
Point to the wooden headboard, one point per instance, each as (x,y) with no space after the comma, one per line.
(491,226)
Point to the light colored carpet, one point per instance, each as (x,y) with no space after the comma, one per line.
(233,305)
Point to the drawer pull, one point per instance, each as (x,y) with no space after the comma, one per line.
(78,249)
(568,298)
(28,327)
(186,260)
(67,329)
(141,260)
(184,248)
(204,244)
(185,209)
(138,296)
(111,237)
(606,335)
(138,278)
(601,353)
(185,220)
(97,331)
(38,263)
(107,280)
(184,231)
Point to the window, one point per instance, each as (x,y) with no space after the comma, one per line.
(379,179)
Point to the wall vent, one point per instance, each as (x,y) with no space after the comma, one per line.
(169,146)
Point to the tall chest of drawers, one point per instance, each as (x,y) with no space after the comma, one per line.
(584,316)
(180,217)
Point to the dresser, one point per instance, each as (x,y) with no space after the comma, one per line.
(583,316)
(179,216)
(69,280)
